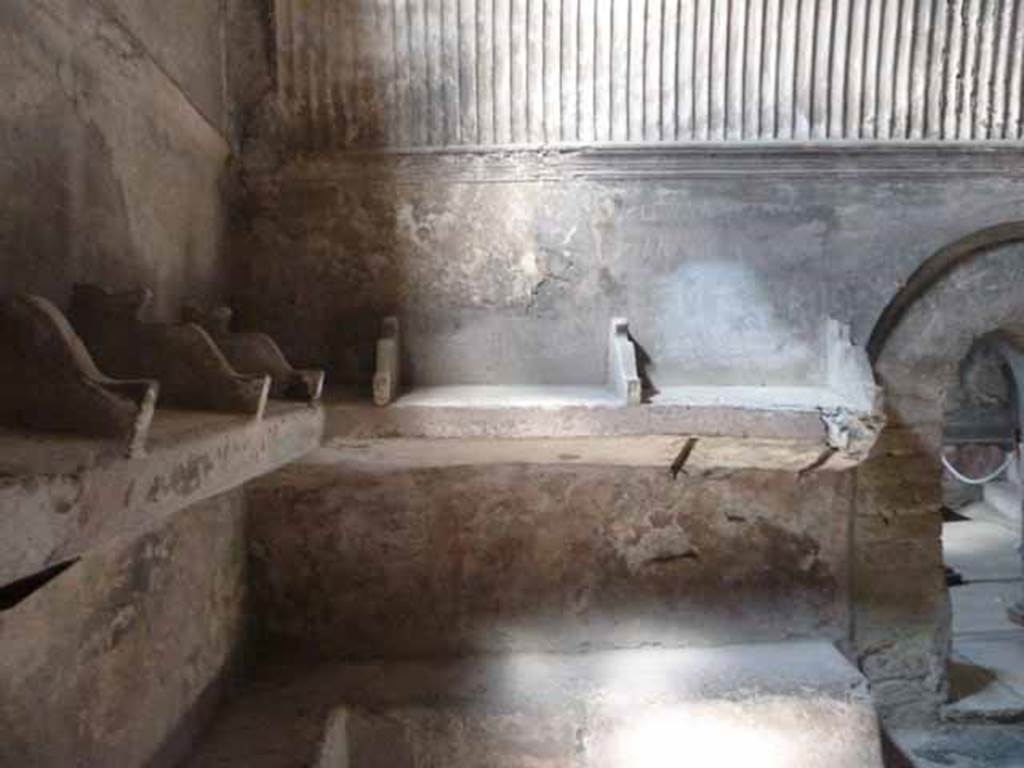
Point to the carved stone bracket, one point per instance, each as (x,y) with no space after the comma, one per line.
(253,352)
(387,378)
(191,369)
(623,377)
(50,381)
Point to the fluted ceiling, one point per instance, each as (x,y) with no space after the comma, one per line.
(441,73)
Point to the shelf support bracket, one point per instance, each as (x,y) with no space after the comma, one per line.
(192,371)
(387,377)
(51,383)
(253,353)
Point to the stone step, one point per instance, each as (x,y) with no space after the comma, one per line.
(987,677)
(792,705)
(960,746)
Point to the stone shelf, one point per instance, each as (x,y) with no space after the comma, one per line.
(62,495)
(788,429)
(830,420)
(772,398)
(704,454)
(769,398)
(511,397)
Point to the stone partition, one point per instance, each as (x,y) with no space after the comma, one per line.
(121,659)
(357,560)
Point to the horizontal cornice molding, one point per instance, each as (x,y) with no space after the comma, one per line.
(624,162)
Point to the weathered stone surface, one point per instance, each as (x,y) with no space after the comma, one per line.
(891,486)
(962,746)
(901,607)
(504,268)
(421,453)
(192,370)
(50,382)
(60,498)
(257,353)
(923,352)
(925,526)
(114,174)
(186,40)
(119,660)
(786,704)
(731,429)
(684,457)
(507,557)
(905,660)
(771,731)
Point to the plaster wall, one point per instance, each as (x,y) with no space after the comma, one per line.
(112,119)
(120,659)
(186,39)
(506,268)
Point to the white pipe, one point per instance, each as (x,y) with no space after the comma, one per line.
(975,480)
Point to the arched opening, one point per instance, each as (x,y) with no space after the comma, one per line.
(932,271)
(982,494)
(943,350)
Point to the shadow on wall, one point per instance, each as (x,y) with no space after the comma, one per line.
(65,213)
(113,176)
(321,238)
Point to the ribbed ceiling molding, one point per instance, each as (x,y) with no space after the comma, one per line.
(444,73)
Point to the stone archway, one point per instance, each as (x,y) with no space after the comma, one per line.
(901,632)
(932,271)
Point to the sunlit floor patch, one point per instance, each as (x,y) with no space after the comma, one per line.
(785,705)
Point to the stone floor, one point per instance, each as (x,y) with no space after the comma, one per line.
(962,746)
(984,720)
(782,705)
(987,672)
